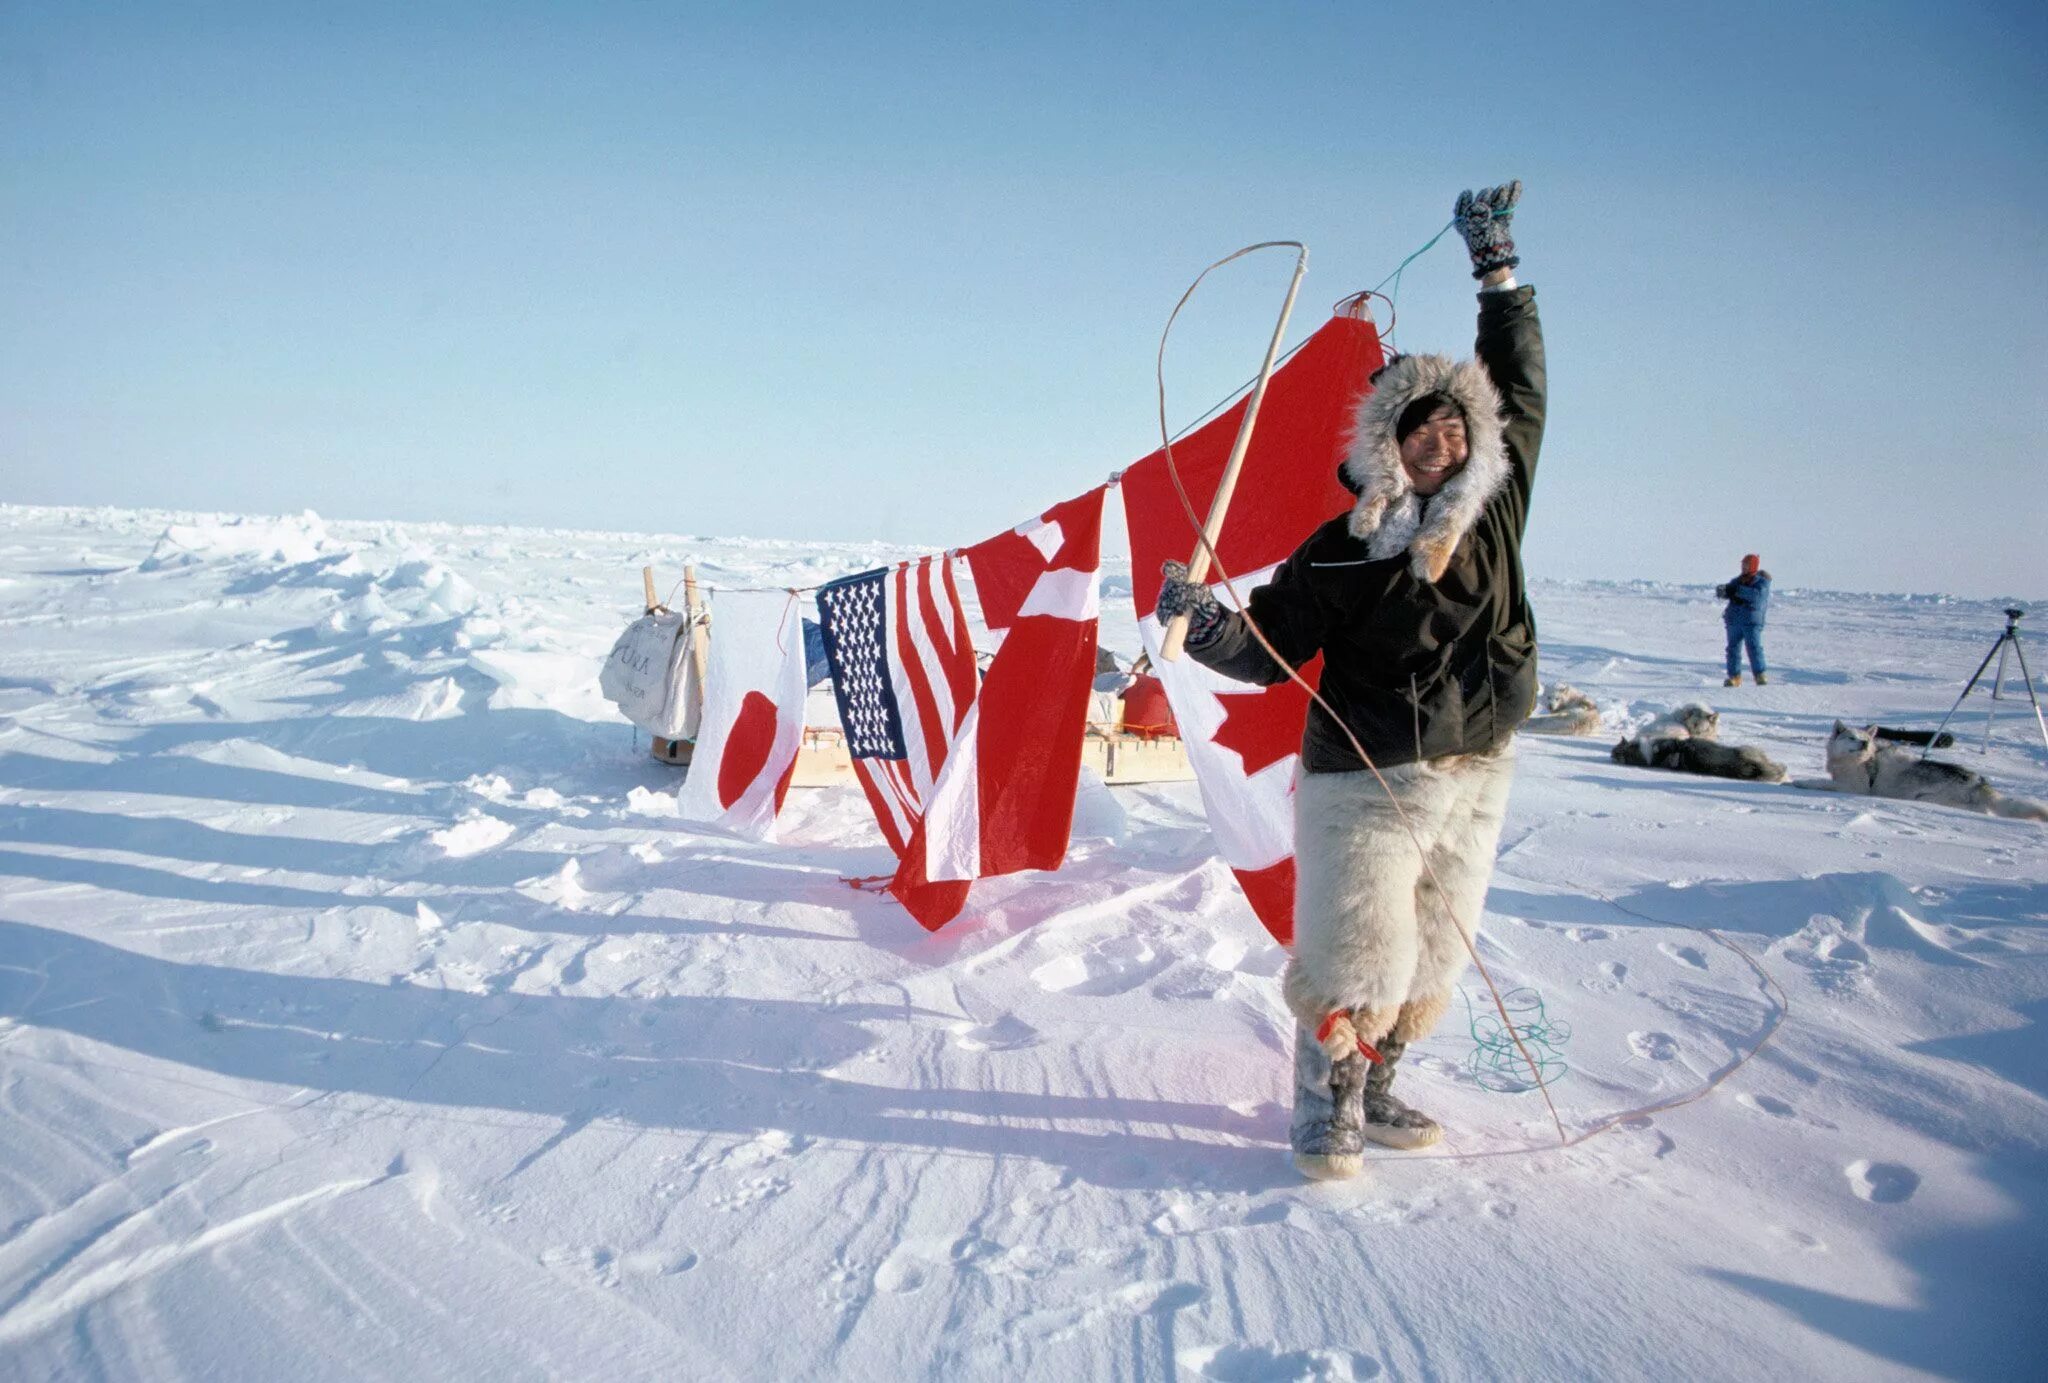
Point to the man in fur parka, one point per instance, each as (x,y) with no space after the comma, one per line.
(1416,601)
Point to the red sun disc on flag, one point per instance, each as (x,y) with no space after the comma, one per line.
(746,748)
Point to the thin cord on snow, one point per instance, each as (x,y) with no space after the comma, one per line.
(1492,1062)
(1294,675)
(1771,988)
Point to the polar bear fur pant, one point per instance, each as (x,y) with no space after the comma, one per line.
(1372,935)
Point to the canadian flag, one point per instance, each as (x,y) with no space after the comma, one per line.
(753,719)
(1004,800)
(1244,741)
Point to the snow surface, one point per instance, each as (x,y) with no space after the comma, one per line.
(366,1012)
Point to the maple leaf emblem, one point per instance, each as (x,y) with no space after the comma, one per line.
(1263,727)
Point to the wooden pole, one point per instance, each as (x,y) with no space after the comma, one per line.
(700,648)
(647,586)
(1198,564)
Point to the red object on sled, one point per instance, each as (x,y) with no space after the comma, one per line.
(1146,712)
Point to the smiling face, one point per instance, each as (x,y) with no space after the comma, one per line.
(1435,451)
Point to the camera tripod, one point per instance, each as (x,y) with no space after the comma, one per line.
(2007,641)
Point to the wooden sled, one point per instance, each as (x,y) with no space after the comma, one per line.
(1118,754)
(1118,758)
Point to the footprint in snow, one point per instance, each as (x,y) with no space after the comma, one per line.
(1270,1364)
(1886,1183)
(752,1192)
(764,1149)
(1608,978)
(1115,966)
(1653,1046)
(659,1262)
(1006,1034)
(597,1261)
(1690,956)
(1643,1123)
(901,1274)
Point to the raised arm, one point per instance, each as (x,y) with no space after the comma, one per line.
(1510,342)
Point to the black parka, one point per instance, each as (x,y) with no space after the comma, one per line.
(1418,671)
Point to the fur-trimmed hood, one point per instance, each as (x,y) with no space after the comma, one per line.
(1389,516)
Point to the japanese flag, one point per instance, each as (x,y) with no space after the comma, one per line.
(753,721)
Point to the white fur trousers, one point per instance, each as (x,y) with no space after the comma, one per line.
(1371,933)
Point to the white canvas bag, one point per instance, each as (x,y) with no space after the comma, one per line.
(650,676)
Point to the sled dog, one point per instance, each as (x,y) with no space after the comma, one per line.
(1566,711)
(1690,721)
(1859,762)
(1684,753)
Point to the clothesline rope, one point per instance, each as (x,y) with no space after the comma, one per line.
(1184,431)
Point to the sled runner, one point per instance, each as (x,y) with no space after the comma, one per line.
(1131,740)
(1119,752)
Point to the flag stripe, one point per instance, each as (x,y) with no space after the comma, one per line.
(926,706)
(905,675)
(958,672)
(882,793)
(928,636)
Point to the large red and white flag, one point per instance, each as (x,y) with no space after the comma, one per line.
(1244,741)
(1003,798)
(753,719)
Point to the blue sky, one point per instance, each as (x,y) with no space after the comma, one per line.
(813,272)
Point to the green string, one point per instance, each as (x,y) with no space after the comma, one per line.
(1496,1062)
(1394,298)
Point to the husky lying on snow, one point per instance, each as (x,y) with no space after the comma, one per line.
(1687,741)
(1859,762)
(1691,754)
(1690,721)
(1566,711)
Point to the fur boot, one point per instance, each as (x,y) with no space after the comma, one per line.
(1327,1134)
(1390,1121)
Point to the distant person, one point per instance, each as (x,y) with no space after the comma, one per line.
(1748,596)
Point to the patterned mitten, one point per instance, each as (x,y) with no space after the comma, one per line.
(1483,219)
(1191,598)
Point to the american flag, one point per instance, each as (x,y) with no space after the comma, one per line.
(903,671)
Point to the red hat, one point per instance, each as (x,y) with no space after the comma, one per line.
(1751,564)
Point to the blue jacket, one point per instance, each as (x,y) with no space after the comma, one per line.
(1748,597)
